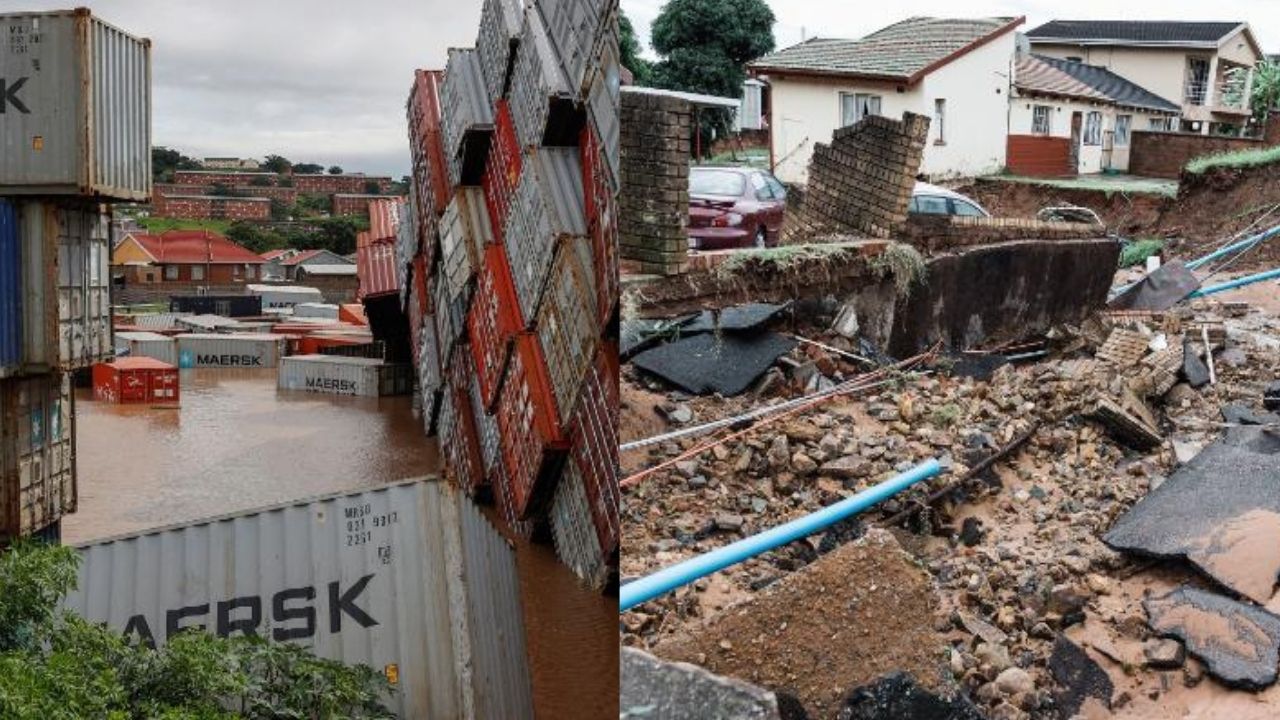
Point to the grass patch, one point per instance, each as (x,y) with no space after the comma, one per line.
(1099,183)
(1138,251)
(1234,160)
(163,224)
(904,263)
(786,257)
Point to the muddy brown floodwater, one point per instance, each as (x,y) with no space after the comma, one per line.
(235,443)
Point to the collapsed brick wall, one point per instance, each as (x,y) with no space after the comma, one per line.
(211,207)
(654,199)
(860,183)
(941,232)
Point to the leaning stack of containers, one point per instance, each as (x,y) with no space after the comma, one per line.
(515,153)
(76,135)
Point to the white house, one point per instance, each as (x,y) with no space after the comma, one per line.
(1068,117)
(956,71)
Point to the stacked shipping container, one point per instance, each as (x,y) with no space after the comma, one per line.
(514,282)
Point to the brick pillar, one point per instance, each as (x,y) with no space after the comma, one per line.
(654,198)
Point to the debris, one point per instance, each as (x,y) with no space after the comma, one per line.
(1221,511)
(978,367)
(1123,348)
(739,318)
(641,334)
(709,363)
(1164,654)
(1159,290)
(989,633)
(1235,414)
(846,323)
(1239,643)
(1193,368)
(1078,677)
(898,697)
(654,689)
(1208,355)
(1127,423)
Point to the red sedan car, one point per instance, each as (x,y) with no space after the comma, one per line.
(734,207)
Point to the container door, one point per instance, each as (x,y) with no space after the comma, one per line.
(164,386)
(133,386)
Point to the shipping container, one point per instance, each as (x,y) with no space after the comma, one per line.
(576,28)
(415,323)
(275,297)
(430,372)
(409,579)
(148,344)
(376,267)
(451,320)
(197,350)
(232,306)
(492,321)
(406,246)
(77,107)
(468,120)
(464,233)
(486,423)
(160,321)
(352,313)
(136,380)
(533,439)
(548,205)
(209,323)
(500,22)
(459,442)
(542,100)
(594,453)
(384,218)
(603,102)
(502,170)
(426,145)
(567,325)
(37,453)
(575,538)
(504,501)
(10,290)
(316,310)
(336,375)
(371,348)
(602,224)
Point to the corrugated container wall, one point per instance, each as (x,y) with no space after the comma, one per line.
(539,88)
(426,145)
(548,204)
(603,102)
(149,344)
(464,232)
(567,323)
(575,28)
(409,579)
(229,351)
(468,111)
(500,22)
(10,290)
(276,297)
(77,107)
(37,454)
(337,375)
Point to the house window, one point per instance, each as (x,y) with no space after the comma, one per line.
(1122,129)
(1161,124)
(197,272)
(855,106)
(170,272)
(250,271)
(1041,116)
(1093,128)
(1197,81)
(940,119)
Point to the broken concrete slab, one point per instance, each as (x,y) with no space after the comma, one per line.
(710,363)
(654,689)
(739,318)
(1080,680)
(898,697)
(1123,348)
(1221,511)
(1239,643)
(1159,290)
(642,333)
(1240,415)
(868,598)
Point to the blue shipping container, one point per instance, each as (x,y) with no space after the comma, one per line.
(10,289)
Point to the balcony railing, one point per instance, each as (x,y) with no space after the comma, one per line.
(1196,92)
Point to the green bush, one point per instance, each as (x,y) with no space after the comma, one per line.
(1138,251)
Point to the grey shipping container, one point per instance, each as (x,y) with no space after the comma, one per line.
(548,204)
(209,323)
(276,297)
(37,453)
(316,310)
(575,28)
(232,306)
(500,22)
(243,350)
(409,579)
(337,375)
(572,530)
(467,117)
(77,107)
(430,380)
(159,321)
(541,98)
(603,101)
(486,424)
(450,325)
(149,344)
(567,327)
(66,293)
(464,231)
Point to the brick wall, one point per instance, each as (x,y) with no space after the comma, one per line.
(284,194)
(352,204)
(203,208)
(229,178)
(860,183)
(329,184)
(942,232)
(1164,154)
(654,198)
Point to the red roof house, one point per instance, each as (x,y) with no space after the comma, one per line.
(186,256)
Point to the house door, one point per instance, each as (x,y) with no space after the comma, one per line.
(1077,121)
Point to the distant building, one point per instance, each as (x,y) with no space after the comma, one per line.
(288,264)
(184,256)
(229,163)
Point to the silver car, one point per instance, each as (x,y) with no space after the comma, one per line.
(929,199)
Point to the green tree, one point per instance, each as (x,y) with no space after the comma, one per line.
(277,164)
(335,170)
(261,180)
(1266,90)
(308,169)
(371,187)
(281,210)
(630,48)
(164,161)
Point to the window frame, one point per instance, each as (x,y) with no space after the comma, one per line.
(1048,119)
(957,202)
(858,99)
(940,119)
(1092,134)
(197,273)
(1123,130)
(779,190)
(170,272)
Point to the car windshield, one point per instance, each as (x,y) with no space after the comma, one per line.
(716,182)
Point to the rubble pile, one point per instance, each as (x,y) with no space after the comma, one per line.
(1037,616)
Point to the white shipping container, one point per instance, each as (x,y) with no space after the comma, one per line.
(37,454)
(549,203)
(500,22)
(158,321)
(149,344)
(342,375)
(466,107)
(315,310)
(243,350)
(410,579)
(277,297)
(464,231)
(76,105)
(539,87)
(573,531)
(209,323)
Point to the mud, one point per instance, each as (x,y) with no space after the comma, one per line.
(1244,553)
(1240,643)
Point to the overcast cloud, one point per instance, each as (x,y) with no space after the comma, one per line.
(800,19)
(320,81)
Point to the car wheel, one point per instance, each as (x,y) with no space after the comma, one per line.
(761,239)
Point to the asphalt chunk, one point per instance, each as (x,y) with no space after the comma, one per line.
(1239,643)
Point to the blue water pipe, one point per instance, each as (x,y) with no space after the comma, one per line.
(670,578)
(1198,262)
(1233,284)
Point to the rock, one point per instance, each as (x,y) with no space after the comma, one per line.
(1184,450)
(658,690)
(1067,599)
(1014,680)
(898,697)
(680,414)
(1079,678)
(994,656)
(697,481)
(828,447)
(849,467)
(803,464)
(744,460)
(779,453)
(1233,357)
(982,629)
(1271,397)
(1239,643)
(728,522)
(688,468)
(971,531)
(1240,415)
(1163,654)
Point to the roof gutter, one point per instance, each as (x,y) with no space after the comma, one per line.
(1104,42)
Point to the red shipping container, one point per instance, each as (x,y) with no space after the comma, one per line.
(595,446)
(502,170)
(376,266)
(311,344)
(426,144)
(352,313)
(504,501)
(533,439)
(494,318)
(464,464)
(420,277)
(602,224)
(136,380)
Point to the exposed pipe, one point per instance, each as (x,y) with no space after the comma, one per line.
(1260,237)
(683,573)
(1233,284)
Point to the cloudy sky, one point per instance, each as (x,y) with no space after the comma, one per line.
(314,80)
(800,19)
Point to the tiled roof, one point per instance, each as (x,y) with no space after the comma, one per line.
(1139,32)
(192,247)
(903,51)
(273,254)
(301,256)
(1037,73)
